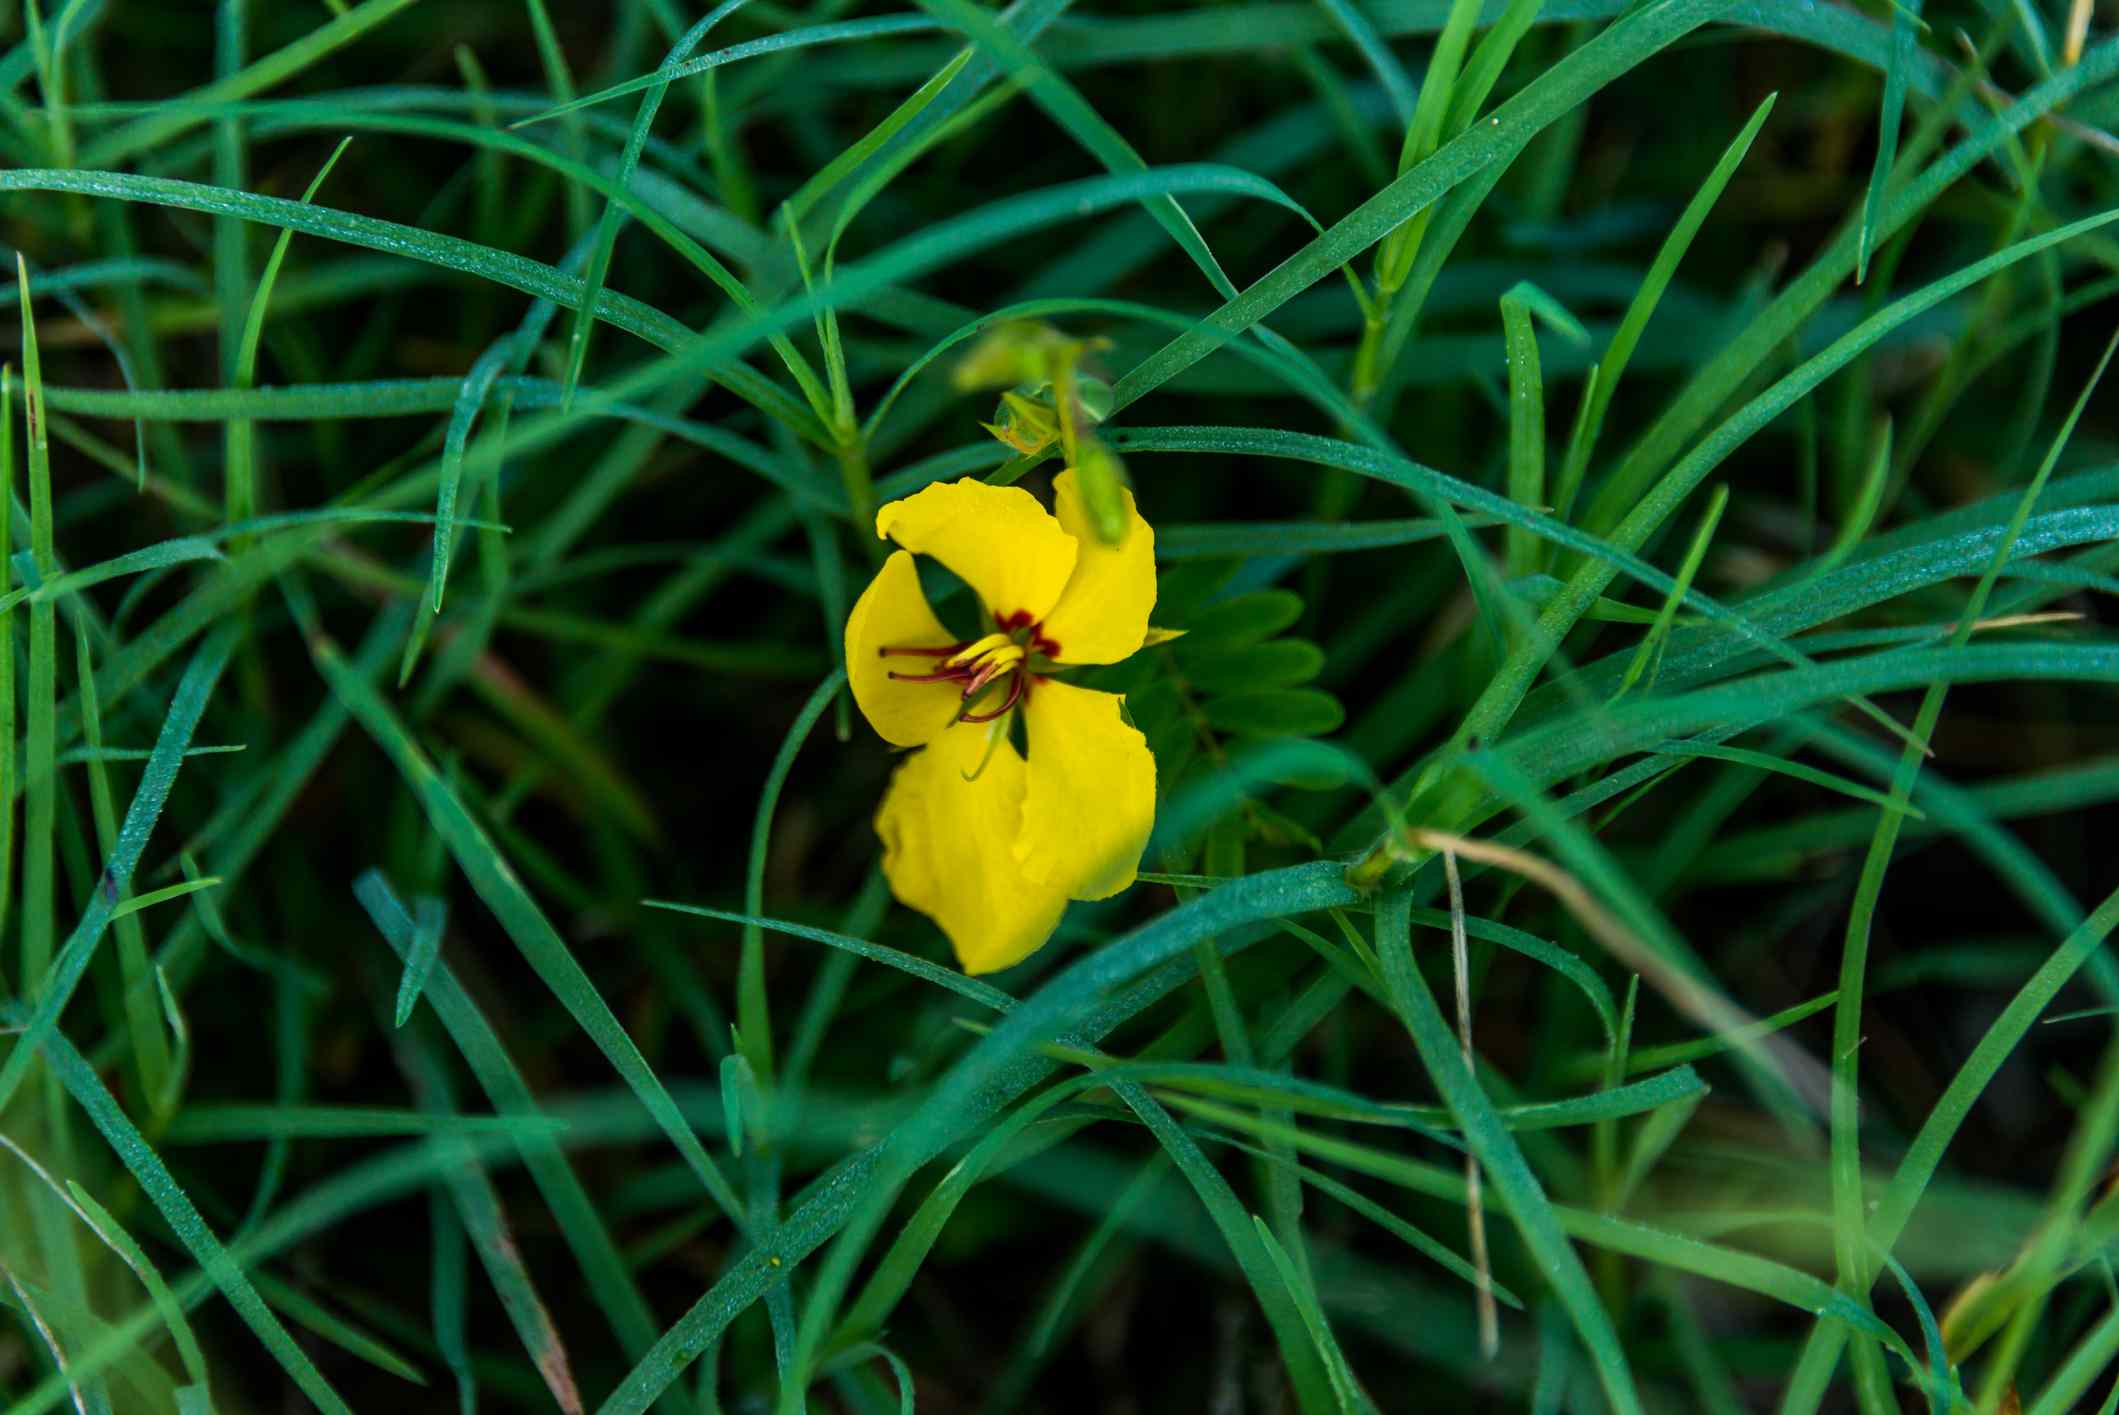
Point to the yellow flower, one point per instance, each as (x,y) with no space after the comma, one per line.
(988,843)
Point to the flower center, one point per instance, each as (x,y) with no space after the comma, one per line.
(981,664)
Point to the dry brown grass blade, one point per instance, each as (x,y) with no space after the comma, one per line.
(1475,1203)
(1803,1073)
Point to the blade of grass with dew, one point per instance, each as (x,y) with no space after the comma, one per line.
(305,1311)
(10,782)
(485,1223)
(1344,1391)
(579,1221)
(470,400)
(1652,641)
(753,1013)
(149,1047)
(1526,407)
(1505,692)
(255,77)
(40,775)
(849,30)
(1905,15)
(1641,33)
(1870,500)
(430,920)
(1851,1230)
(1767,762)
(1513,1182)
(867,1181)
(230,153)
(185,708)
(517,913)
(183,1218)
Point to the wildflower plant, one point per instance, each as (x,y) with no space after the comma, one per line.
(989,843)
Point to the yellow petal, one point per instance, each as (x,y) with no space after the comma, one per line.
(1090,797)
(947,849)
(1102,615)
(998,539)
(892,613)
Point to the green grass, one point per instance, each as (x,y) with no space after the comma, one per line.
(1644,557)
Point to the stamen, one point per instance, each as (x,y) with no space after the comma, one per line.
(993,667)
(947,675)
(979,648)
(1015,695)
(979,664)
(943,652)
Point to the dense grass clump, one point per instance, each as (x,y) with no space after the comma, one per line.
(1625,922)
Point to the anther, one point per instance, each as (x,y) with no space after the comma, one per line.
(1001,661)
(979,648)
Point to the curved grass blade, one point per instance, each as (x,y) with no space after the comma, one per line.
(599,263)
(1642,32)
(170,119)
(997,1068)
(1376,54)
(983,993)
(240,438)
(183,1218)
(576,1214)
(753,1014)
(470,399)
(875,27)
(526,924)
(485,1222)
(1765,761)
(1597,396)
(1500,1159)
(99,1222)
(185,708)
(306,1311)
(1652,641)
(1905,14)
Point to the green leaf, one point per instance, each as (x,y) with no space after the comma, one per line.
(1246,619)
(1299,712)
(1276,663)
